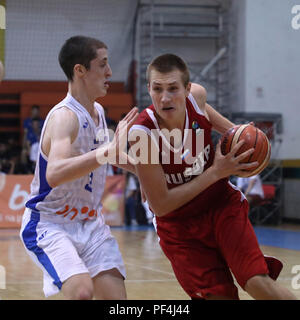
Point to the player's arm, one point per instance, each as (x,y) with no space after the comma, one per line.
(63,166)
(219,122)
(163,200)
(128,165)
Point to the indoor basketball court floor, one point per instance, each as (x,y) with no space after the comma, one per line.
(149,274)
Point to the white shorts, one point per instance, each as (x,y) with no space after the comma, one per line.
(64,250)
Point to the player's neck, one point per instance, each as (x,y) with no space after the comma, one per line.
(170,124)
(82,97)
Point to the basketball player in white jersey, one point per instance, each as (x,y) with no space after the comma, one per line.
(63,229)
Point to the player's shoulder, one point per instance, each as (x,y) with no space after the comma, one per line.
(144,124)
(197,90)
(199,93)
(99,106)
(146,118)
(62,119)
(62,113)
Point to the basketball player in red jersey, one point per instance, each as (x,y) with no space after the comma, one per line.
(201,219)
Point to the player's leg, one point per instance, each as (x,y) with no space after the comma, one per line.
(238,244)
(201,272)
(52,250)
(109,285)
(106,268)
(262,287)
(78,287)
(197,263)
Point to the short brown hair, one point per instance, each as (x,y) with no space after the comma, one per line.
(167,63)
(78,49)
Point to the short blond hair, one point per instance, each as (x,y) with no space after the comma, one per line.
(167,63)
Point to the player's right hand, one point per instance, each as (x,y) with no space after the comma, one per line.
(119,142)
(230,164)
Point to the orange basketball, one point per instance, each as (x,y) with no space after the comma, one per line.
(254,138)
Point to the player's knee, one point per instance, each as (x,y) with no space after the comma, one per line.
(84,293)
(78,287)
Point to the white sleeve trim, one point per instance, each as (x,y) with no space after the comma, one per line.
(195,104)
(141,128)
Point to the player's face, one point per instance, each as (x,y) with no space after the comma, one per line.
(97,76)
(168,94)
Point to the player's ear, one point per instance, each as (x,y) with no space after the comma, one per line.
(188,88)
(148,86)
(79,70)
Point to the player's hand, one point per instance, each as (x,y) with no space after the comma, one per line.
(119,142)
(229,164)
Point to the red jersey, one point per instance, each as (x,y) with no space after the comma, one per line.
(184,163)
(210,236)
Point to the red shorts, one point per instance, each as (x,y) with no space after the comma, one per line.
(204,248)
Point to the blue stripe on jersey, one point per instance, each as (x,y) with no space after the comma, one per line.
(29,236)
(44,189)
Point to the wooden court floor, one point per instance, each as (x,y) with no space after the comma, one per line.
(149,274)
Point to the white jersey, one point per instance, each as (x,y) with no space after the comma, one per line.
(79,199)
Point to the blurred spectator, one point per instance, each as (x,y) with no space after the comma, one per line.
(34,139)
(5,163)
(35,114)
(141,210)
(112,170)
(10,158)
(135,212)
(112,126)
(252,188)
(130,200)
(148,212)
(31,137)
